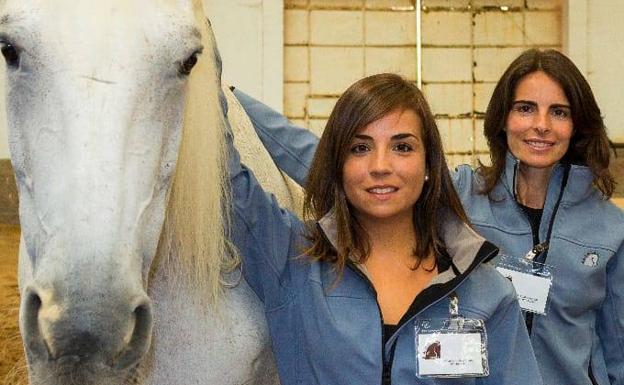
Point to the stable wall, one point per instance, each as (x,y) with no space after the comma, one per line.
(465,47)
(593,38)
(254,47)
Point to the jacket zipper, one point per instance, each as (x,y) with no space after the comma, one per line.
(590,373)
(385,367)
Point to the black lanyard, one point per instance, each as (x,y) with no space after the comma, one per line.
(539,252)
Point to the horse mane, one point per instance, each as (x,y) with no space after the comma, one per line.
(194,246)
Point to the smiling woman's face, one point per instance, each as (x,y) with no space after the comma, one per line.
(384,172)
(539,125)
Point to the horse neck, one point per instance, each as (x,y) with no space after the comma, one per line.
(227,343)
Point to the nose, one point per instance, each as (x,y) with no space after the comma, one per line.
(91,330)
(542,122)
(380,164)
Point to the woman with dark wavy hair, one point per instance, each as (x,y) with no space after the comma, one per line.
(387,282)
(544,201)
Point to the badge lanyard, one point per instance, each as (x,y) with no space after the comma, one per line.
(530,275)
(452,347)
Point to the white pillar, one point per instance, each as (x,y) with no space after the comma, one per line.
(594,40)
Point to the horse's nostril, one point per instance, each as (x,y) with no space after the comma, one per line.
(30,324)
(32,304)
(140,340)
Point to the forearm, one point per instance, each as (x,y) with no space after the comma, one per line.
(292,148)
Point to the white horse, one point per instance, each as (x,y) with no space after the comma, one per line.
(115,132)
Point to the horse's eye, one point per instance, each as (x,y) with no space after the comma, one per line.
(187,65)
(11,56)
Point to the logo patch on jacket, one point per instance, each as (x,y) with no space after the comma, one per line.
(591,259)
(433,351)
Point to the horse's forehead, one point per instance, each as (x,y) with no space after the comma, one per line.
(97,22)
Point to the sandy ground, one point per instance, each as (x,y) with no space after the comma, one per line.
(12,367)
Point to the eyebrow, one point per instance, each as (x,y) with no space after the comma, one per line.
(556,105)
(394,137)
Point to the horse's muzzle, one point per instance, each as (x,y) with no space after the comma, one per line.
(92,331)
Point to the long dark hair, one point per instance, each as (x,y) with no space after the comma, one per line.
(589,145)
(366,101)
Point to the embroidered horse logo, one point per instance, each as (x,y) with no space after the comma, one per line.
(591,259)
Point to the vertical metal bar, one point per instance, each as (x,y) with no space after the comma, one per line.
(418,44)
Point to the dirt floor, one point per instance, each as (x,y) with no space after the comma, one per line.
(12,366)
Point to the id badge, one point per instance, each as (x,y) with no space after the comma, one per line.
(451,348)
(532,281)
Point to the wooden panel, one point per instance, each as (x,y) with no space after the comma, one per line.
(12,365)
(8,194)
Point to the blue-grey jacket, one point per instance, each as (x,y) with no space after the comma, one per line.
(329,334)
(581,339)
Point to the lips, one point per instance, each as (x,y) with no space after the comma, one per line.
(382,190)
(539,144)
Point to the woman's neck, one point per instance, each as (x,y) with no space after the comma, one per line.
(391,267)
(394,233)
(532,186)
(395,239)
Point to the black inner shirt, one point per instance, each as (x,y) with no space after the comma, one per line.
(535,217)
(443,263)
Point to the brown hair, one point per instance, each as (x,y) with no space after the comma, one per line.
(366,101)
(589,145)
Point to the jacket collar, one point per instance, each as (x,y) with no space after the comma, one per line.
(466,248)
(579,185)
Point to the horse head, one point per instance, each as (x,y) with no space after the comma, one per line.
(98,94)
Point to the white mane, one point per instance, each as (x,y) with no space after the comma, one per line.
(193,237)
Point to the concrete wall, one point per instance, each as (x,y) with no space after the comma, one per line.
(250,38)
(593,39)
(4,143)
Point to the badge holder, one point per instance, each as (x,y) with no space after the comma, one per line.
(451,348)
(532,280)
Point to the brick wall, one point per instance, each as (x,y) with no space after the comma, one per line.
(466,45)
(329,44)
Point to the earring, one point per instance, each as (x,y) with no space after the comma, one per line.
(426,177)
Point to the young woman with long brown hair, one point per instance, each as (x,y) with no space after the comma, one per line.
(386,282)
